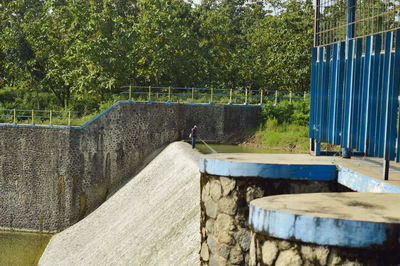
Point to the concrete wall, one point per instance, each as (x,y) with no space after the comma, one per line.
(272,251)
(225,211)
(52,177)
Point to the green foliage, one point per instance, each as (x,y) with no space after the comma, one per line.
(58,54)
(297,112)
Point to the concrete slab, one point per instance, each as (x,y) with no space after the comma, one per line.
(338,219)
(364,166)
(152,220)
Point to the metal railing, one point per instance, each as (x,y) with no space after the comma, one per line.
(210,95)
(49,117)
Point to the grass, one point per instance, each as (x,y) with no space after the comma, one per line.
(285,136)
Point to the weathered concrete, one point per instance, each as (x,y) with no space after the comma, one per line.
(303,237)
(225,202)
(358,174)
(326,229)
(51,178)
(152,220)
(337,219)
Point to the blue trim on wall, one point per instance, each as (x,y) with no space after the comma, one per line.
(289,171)
(320,230)
(362,183)
(346,177)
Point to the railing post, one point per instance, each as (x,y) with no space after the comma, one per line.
(192,95)
(69,118)
(261,96)
(130,92)
(230,96)
(51,114)
(290,96)
(15,116)
(149,93)
(169,93)
(276,97)
(33,117)
(305,94)
(245,98)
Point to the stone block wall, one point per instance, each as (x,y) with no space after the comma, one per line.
(266,250)
(225,232)
(50,178)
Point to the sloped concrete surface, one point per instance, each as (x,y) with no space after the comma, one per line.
(152,220)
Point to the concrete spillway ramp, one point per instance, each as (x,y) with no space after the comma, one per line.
(152,220)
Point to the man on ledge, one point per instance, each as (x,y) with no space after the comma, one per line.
(193,136)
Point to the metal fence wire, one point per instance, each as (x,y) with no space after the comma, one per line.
(210,95)
(336,20)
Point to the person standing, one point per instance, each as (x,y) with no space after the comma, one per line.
(193,136)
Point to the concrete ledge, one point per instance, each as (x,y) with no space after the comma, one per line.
(315,172)
(362,183)
(358,220)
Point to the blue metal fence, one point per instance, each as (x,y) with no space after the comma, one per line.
(354,95)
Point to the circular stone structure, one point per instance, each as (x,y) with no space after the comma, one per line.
(354,220)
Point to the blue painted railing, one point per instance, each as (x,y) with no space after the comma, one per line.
(354,95)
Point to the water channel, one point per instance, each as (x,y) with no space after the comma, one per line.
(22,248)
(221,148)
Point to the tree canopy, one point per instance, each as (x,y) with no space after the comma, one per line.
(77,54)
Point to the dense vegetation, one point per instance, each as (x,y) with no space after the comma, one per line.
(57,54)
(284,127)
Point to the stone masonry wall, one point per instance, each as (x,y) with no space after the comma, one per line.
(271,251)
(225,232)
(51,178)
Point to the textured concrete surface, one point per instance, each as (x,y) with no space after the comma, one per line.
(365,166)
(225,211)
(152,220)
(338,219)
(50,178)
(314,171)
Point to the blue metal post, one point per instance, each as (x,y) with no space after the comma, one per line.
(324,95)
(357,82)
(351,12)
(395,82)
(388,105)
(366,94)
(372,121)
(351,16)
(348,100)
(332,94)
(313,97)
(316,25)
(339,97)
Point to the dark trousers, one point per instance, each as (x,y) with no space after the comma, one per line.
(193,142)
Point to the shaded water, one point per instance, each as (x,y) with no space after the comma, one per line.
(22,248)
(221,148)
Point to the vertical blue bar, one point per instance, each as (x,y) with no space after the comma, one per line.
(332,94)
(320,90)
(351,15)
(366,93)
(313,93)
(357,80)
(348,95)
(372,122)
(360,139)
(324,94)
(381,108)
(339,95)
(395,85)
(388,94)
(396,77)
